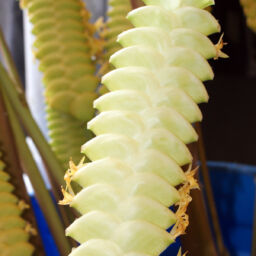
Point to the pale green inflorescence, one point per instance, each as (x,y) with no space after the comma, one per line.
(142,131)
(14,231)
(64,46)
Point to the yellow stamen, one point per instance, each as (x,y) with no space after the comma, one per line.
(179,253)
(68,198)
(23,205)
(99,24)
(182,218)
(193,184)
(71,172)
(81,163)
(219,46)
(29,229)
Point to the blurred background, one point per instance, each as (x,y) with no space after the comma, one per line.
(229,124)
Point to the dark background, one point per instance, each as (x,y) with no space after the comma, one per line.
(229,125)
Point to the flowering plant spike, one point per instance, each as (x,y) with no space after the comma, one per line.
(14,230)
(139,152)
(65,47)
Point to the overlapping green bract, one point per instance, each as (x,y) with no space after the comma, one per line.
(116,24)
(142,131)
(249,7)
(14,231)
(64,46)
(66,135)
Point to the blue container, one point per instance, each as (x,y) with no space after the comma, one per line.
(234,191)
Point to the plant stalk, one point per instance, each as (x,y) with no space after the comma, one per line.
(46,204)
(209,193)
(29,124)
(13,73)
(14,168)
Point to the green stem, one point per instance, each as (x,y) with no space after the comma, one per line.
(14,168)
(67,215)
(42,194)
(29,124)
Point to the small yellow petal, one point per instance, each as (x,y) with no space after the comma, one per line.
(68,198)
(29,229)
(23,205)
(219,46)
